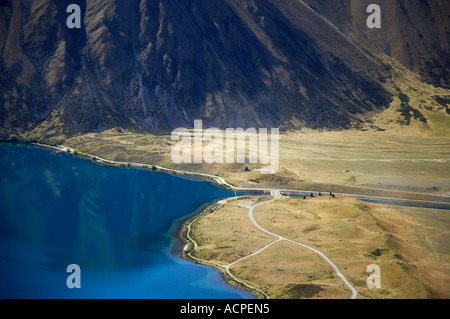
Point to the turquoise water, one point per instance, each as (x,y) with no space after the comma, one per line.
(113,222)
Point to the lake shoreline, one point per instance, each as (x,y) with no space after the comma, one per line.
(179,226)
(176,217)
(366,194)
(179,242)
(216,180)
(183,250)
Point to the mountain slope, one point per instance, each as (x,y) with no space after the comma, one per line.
(416,32)
(160,64)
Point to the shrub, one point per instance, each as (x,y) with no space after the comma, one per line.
(385,292)
(14,138)
(376,252)
(303,290)
(403,97)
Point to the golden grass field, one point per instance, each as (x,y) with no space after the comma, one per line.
(327,161)
(412,244)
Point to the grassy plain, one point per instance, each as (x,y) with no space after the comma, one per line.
(410,245)
(327,161)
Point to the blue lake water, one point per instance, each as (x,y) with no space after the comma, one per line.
(115,223)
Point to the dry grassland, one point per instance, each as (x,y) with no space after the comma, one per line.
(410,245)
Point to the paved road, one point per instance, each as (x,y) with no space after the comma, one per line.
(287,192)
(378,199)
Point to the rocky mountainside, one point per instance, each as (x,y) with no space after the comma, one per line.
(414,32)
(159,64)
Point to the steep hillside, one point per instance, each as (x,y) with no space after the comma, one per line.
(415,32)
(159,64)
